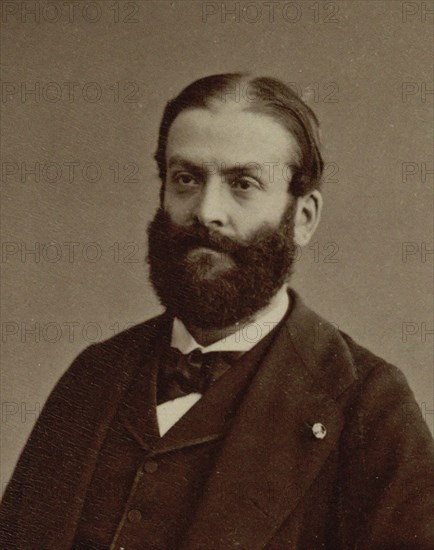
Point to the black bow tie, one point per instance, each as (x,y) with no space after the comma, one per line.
(181,374)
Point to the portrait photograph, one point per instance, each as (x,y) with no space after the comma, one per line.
(216,275)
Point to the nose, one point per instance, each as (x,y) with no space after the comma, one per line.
(210,209)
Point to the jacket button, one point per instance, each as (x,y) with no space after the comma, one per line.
(134,516)
(319,430)
(150,467)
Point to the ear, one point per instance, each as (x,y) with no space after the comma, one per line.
(307,216)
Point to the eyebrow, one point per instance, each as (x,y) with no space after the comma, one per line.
(189,165)
(251,168)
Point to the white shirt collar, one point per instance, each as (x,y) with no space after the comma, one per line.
(243,339)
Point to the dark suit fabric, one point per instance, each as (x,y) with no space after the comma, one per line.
(160,479)
(267,482)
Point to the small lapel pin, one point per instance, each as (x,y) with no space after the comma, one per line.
(319,430)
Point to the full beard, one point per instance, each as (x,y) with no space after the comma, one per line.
(212,281)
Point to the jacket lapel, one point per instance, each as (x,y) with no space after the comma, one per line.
(210,417)
(207,420)
(137,412)
(271,456)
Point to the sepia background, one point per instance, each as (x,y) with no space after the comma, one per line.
(84,86)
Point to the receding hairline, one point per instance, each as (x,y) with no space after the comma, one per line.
(213,103)
(261,95)
(244,106)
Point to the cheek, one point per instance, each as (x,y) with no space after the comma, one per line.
(258,214)
(179,208)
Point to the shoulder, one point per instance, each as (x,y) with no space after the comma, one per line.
(370,366)
(337,361)
(139,335)
(387,451)
(102,371)
(380,387)
(89,390)
(139,338)
(373,394)
(382,412)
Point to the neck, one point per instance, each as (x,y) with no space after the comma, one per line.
(207,336)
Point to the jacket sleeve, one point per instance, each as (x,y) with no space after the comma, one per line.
(50,469)
(388,470)
(43,501)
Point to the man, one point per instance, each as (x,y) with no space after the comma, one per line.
(238,418)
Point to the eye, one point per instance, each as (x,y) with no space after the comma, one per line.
(243,184)
(184,179)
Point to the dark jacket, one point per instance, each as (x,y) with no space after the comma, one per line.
(365,485)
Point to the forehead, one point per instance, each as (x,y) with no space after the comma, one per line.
(230,134)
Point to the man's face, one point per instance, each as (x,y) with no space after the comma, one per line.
(221,244)
(228,169)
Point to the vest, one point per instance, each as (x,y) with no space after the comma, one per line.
(145,488)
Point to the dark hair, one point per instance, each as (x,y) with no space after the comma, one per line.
(262,95)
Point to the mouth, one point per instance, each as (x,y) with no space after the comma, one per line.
(205,250)
(211,261)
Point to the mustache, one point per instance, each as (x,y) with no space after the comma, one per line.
(197,235)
